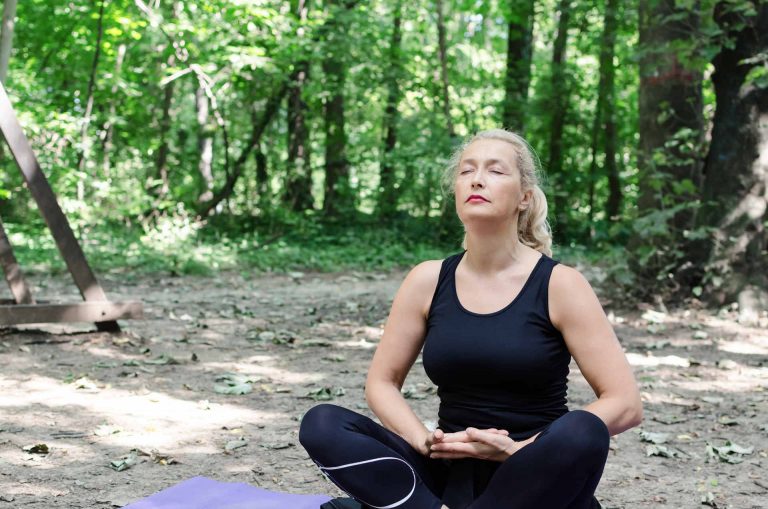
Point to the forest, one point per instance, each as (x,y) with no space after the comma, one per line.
(252,179)
(286,134)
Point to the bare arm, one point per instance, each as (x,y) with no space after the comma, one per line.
(576,311)
(400,345)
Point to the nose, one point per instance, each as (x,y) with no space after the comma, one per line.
(477,179)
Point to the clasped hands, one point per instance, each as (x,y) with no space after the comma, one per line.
(488,444)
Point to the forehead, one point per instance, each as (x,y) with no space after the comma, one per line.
(490,149)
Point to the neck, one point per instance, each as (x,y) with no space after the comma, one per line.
(491,253)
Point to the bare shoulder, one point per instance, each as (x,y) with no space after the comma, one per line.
(569,294)
(426,273)
(421,282)
(565,278)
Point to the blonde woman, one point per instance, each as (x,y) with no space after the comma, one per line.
(498,324)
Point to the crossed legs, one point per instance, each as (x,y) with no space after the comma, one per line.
(375,466)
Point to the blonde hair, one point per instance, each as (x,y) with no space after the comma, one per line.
(533,229)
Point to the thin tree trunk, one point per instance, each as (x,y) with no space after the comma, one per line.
(6,37)
(262,178)
(258,126)
(604,120)
(161,163)
(443,58)
(559,105)
(109,128)
(338,193)
(733,261)
(518,69)
(85,141)
(298,190)
(387,194)
(205,146)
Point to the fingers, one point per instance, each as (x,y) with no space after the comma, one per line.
(458,450)
(484,436)
(462,436)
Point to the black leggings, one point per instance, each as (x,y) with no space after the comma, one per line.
(378,468)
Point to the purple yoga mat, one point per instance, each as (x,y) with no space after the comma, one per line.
(204,493)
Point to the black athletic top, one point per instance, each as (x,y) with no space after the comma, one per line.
(506,369)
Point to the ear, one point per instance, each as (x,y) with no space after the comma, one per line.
(526,201)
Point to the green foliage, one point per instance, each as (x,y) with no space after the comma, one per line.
(180,245)
(133,211)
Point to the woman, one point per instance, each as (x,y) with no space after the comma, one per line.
(498,324)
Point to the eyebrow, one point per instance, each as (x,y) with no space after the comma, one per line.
(488,161)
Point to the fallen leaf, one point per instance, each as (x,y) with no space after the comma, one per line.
(235,444)
(124,463)
(660,450)
(654,438)
(731,452)
(162,360)
(163,459)
(669,419)
(68,434)
(85,383)
(316,342)
(36,449)
(236,383)
(278,445)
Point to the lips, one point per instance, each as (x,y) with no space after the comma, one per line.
(476,197)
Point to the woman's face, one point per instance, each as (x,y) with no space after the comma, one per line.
(487,185)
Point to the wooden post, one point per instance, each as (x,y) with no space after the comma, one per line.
(49,207)
(14,277)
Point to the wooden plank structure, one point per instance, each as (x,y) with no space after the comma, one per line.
(24,309)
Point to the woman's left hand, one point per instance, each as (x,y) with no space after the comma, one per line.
(492,445)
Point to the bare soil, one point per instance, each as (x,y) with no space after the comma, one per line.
(91,398)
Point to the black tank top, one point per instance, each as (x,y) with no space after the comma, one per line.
(506,369)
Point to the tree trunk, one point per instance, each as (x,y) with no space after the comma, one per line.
(298,190)
(109,127)
(671,130)
(258,125)
(518,73)
(387,193)
(85,141)
(443,58)
(205,145)
(161,163)
(338,197)
(559,105)
(736,171)
(6,37)
(604,120)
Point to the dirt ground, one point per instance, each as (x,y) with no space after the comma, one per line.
(92,398)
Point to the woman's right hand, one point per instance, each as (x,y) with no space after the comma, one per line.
(437,436)
(424,446)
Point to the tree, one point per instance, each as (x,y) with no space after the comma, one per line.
(387,203)
(671,131)
(559,107)
(442,55)
(85,141)
(518,68)
(736,166)
(298,190)
(604,121)
(339,197)
(6,37)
